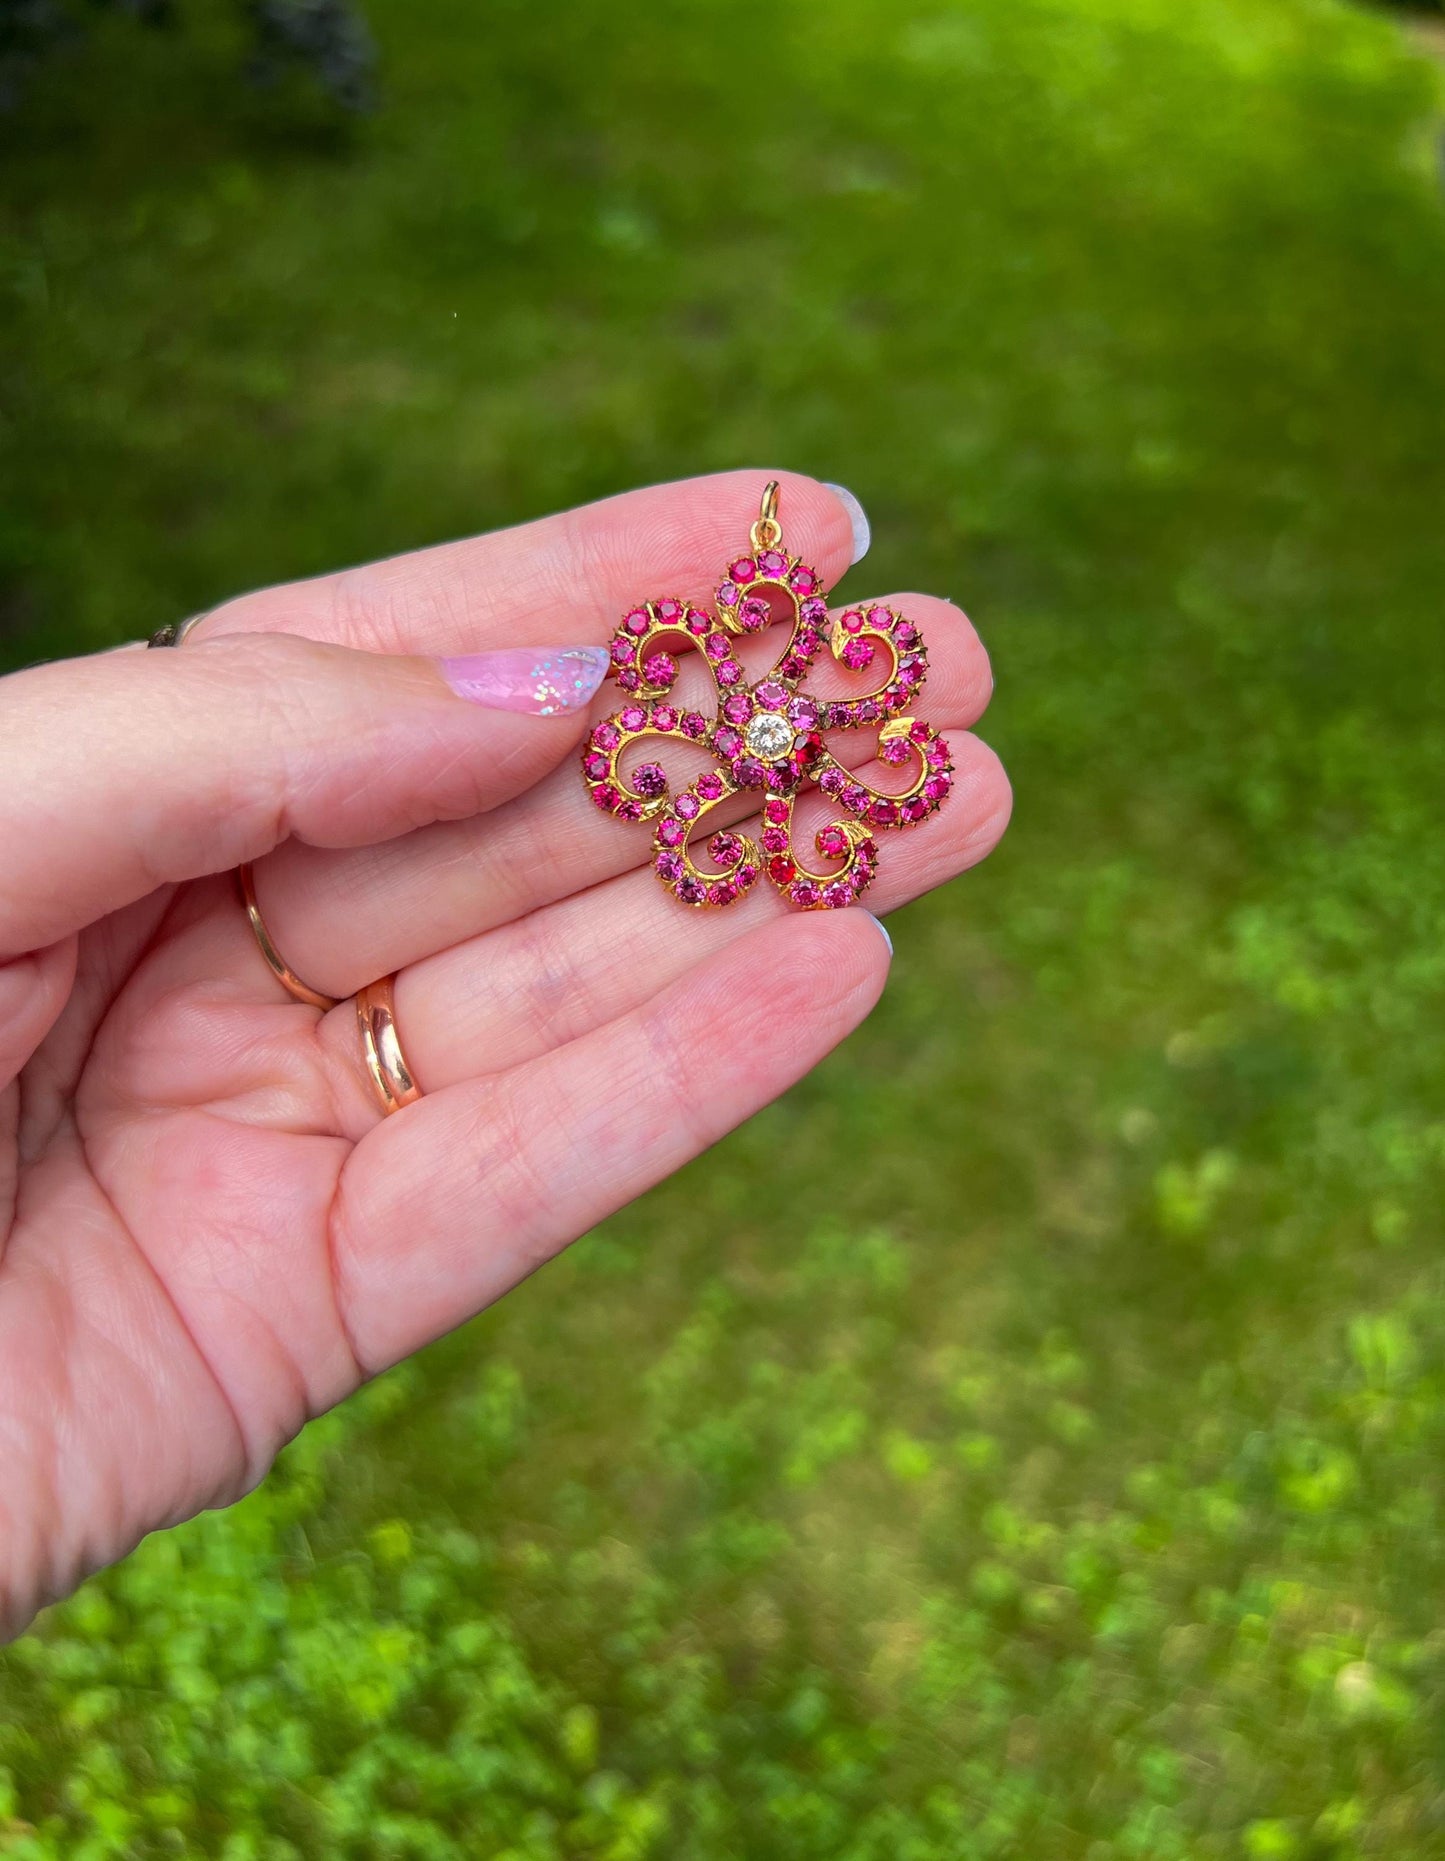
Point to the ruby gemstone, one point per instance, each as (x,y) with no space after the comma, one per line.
(725,848)
(744,570)
(661,668)
(606,736)
(710,786)
(596,764)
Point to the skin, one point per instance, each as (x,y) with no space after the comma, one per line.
(208,1233)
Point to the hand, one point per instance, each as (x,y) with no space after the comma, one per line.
(208,1234)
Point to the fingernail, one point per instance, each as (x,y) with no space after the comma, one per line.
(882,930)
(549,681)
(857,516)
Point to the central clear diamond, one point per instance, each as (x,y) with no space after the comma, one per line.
(769,736)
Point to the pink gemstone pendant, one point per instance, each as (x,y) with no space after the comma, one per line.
(766,736)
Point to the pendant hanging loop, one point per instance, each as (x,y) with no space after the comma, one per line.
(767,532)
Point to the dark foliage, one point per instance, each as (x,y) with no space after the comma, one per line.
(329,38)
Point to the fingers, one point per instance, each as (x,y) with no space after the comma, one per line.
(577,570)
(445,1206)
(127,771)
(344,918)
(521,990)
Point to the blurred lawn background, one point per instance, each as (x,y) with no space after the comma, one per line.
(1047,1463)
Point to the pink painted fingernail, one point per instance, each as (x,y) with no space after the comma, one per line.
(549,681)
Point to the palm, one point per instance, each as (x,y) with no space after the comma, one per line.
(213,1235)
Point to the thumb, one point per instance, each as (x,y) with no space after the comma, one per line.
(131,770)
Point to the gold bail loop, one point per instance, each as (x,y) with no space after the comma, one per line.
(767,531)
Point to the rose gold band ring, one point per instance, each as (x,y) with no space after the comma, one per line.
(277,963)
(386,1063)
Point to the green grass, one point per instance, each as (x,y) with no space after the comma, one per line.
(1047,1462)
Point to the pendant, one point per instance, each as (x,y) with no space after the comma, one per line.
(766,737)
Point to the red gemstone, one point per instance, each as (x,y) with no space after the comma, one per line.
(936,755)
(852,621)
(885,813)
(737,708)
(937,786)
(729,672)
(710,785)
(839,893)
(744,570)
(857,655)
(661,668)
(669,610)
(804,893)
(606,736)
(596,764)
(832,842)
(775,809)
(810,748)
(728,741)
(622,651)
(781,870)
(919,731)
(697,621)
(904,632)
(716,646)
(881,618)
(721,892)
(746,875)
(725,848)
(606,798)
(637,622)
(802,581)
(671,832)
(915,809)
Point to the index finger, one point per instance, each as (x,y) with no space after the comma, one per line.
(576,570)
